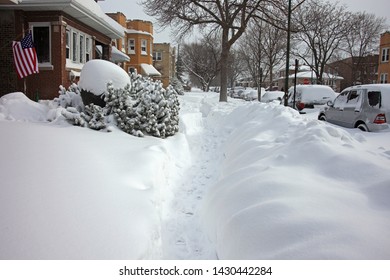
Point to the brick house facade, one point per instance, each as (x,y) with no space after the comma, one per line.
(138,45)
(164,60)
(384,59)
(355,70)
(65,35)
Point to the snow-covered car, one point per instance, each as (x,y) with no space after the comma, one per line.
(252,94)
(364,107)
(236,92)
(270,96)
(306,96)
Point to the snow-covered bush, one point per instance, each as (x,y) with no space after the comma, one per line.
(141,107)
(70,98)
(145,108)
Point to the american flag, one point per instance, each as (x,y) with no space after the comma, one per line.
(25,57)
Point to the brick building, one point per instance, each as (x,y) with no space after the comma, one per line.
(66,35)
(137,44)
(164,60)
(384,61)
(355,70)
(306,76)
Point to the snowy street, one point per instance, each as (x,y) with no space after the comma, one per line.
(241,180)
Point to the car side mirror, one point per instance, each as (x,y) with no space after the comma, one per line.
(330,103)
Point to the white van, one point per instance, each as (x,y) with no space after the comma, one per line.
(365,107)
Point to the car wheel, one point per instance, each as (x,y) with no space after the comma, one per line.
(363,127)
(322,118)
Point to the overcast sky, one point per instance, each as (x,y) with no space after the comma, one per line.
(132,10)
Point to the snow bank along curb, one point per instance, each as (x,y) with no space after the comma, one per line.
(293,188)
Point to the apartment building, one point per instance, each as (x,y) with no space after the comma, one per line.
(164,60)
(384,58)
(137,44)
(66,35)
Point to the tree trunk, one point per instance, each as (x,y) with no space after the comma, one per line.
(224,65)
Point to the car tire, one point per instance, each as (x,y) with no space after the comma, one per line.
(363,127)
(322,118)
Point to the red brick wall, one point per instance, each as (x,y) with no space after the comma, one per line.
(45,84)
(8,78)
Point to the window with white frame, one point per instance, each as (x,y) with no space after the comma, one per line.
(131,46)
(67,44)
(144,44)
(79,47)
(42,41)
(74,46)
(383,78)
(157,56)
(87,49)
(82,48)
(385,55)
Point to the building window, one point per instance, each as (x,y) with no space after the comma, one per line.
(383,78)
(131,70)
(157,56)
(131,46)
(78,48)
(87,49)
(74,46)
(82,48)
(41,38)
(67,44)
(385,55)
(144,44)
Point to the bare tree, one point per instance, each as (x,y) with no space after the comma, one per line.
(275,47)
(253,54)
(230,16)
(263,47)
(201,60)
(235,67)
(322,27)
(361,41)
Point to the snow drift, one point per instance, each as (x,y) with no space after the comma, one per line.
(262,181)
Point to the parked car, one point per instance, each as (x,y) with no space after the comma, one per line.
(270,96)
(252,94)
(236,92)
(307,96)
(364,107)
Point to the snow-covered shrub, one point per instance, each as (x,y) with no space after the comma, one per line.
(141,107)
(145,108)
(70,98)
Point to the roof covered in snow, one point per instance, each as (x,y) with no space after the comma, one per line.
(88,12)
(312,75)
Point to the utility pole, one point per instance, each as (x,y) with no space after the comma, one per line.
(287,54)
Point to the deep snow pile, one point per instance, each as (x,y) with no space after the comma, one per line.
(296,188)
(260,180)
